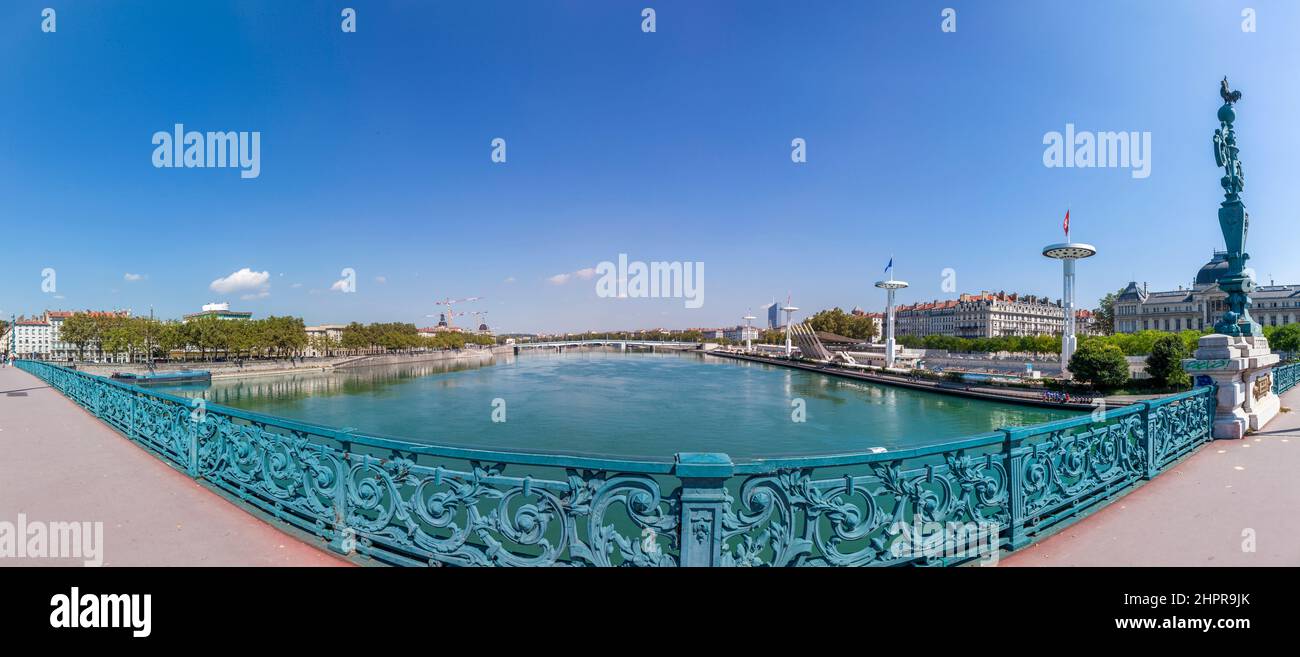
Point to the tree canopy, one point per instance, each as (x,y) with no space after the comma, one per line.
(835,320)
(1165,364)
(1099,364)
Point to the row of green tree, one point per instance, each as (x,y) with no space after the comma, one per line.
(138,336)
(1280,338)
(394,337)
(1101,362)
(835,320)
(1103,365)
(1142,343)
(1035,344)
(271,337)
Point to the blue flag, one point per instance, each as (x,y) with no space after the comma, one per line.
(890,265)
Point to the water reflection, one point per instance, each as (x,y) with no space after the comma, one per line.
(238,392)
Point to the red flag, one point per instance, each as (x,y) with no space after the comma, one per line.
(1067,224)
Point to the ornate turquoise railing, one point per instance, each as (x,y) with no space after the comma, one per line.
(403,503)
(1285,377)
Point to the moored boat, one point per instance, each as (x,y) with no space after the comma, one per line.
(163,378)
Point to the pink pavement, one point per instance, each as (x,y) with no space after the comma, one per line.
(61,464)
(1195,514)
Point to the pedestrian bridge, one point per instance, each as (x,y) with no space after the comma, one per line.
(621,344)
(379,499)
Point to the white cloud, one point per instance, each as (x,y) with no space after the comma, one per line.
(134,277)
(339,286)
(381,279)
(509,279)
(244,279)
(560,279)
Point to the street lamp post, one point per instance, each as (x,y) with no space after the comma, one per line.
(890,286)
(1067,252)
(1235,358)
(789,312)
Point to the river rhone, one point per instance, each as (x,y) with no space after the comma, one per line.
(621,405)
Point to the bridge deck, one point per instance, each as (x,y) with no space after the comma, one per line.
(1195,514)
(60,464)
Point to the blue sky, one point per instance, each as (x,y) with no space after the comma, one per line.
(675,146)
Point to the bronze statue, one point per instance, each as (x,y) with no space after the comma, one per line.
(1228,95)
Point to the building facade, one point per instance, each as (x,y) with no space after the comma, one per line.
(741,333)
(1199,306)
(983,315)
(323,340)
(41,337)
(988,315)
(877,319)
(926,318)
(31,338)
(1086,323)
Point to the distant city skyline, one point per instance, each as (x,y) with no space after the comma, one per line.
(376,192)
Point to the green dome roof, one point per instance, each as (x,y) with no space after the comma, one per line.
(1213,270)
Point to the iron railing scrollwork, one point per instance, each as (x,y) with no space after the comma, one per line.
(1285,377)
(402,503)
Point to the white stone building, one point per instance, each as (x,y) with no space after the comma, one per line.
(316,334)
(1198,307)
(741,333)
(983,315)
(40,337)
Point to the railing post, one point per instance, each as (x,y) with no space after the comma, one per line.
(1015,462)
(1211,402)
(344,541)
(703,504)
(1147,440)
(192,463)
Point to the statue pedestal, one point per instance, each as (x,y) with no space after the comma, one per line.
(1243,369)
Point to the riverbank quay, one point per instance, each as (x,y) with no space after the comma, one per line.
(975,391)
(233,370)
(1230,504)
(63,465)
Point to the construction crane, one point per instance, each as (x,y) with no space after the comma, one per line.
(481,316)
(450,304)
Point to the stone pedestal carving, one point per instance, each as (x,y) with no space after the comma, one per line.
(1242,366)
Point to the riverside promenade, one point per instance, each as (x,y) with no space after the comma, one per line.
(1003,394)
(60,464)
(1195,514)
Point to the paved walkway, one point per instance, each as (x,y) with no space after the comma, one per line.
(60,464)
(1195,514)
